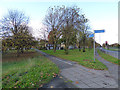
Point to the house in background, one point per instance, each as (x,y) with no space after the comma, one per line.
(60,46)
(50,46)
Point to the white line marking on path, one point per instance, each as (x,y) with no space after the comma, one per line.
(56,58)
(63,61)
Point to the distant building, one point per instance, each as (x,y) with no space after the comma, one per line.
(115,45)
(50,46)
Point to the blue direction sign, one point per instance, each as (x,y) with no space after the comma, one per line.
(91,35)
(99,31)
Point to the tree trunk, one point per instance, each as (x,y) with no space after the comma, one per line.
(60,46)
(89,48)
(79,46)
(22,50)
(84,49)
(84,44)
(18,52)
(44,45)
(54,47)
(49,46)
(66,48)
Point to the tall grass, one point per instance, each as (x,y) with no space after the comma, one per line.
(28,73)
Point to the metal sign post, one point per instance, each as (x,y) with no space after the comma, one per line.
(94,47)
(97,31)
(93,35)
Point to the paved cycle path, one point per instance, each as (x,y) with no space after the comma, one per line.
(80,76)
(112,68)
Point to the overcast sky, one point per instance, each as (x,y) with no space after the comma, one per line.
(102,14)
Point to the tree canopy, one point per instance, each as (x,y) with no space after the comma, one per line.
(66,23)
(16,32)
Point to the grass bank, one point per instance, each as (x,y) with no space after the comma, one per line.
(11,55)
(109,57)
(28,72)
(83,58)
(113,49)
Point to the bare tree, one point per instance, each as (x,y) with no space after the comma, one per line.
(71,20)
(66,22)
(11,22)
(79,39)
(53,20)
(11,25)
(44,31)
(83,32)
(84,29)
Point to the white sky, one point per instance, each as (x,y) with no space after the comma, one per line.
(103,14)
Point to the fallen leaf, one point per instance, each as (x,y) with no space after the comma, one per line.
(41,85)
(76,82)
(51,86)
(8,77)
(48,74)
(60,77)
(16,82)
(89,71)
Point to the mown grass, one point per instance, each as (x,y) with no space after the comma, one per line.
(109,57)
(83,58)
(28,72)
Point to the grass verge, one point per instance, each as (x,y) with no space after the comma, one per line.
(113,49)
(83,58)
(28,72)
(109,57)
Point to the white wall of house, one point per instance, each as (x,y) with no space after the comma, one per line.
(51,47)
(71,47)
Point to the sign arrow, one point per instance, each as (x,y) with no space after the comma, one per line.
(91,35)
